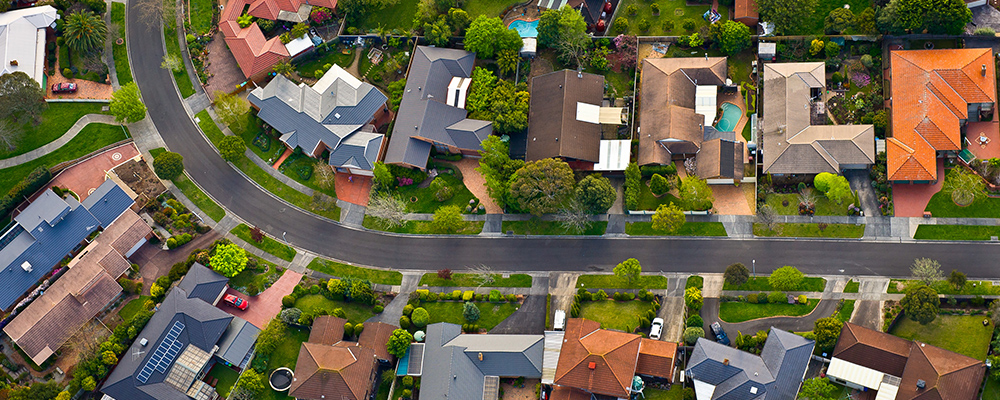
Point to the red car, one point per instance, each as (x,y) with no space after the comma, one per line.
(65,87)
(237,302)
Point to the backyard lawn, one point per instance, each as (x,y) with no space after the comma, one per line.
(942,206)
(536,226)
(201,14)
(226,376)
(823,8)
(824,206)
(490,315)
(984,288)
(974,340)
(489,8)
(605,281)
(992,389)
(676,392)
(761,284)
(422,227)
(56,120)
(738,311)
(342,270)
(285,355)
(119,51)
(356,312)
(811,230)
(397,16)
(472,280)
(676,11)
(852,286)
(132,307)
(269,245)
(308,66)
(688,229)
(956,232)
(621,315)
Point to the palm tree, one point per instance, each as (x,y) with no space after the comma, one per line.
(84,31)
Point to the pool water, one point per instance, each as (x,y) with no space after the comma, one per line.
(525,28)
(731,115)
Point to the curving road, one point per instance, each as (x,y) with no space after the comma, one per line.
(242,197)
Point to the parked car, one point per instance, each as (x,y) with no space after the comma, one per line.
(656,329)
(65,87)
(720,334)
(237,302)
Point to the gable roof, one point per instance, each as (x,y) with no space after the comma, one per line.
(424,116)
(108,202)
(792,144)
(331,366)
(203,283)
(612,354)
(22,39)
(929,109)
(555,130)
(869,348)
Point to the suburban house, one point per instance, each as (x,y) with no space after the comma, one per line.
(80,293)
(50,228)
(598,362)
(722,372)
(896,368)
(186,336)
(22,40)
(452,365)
(330,367)
(745,11)
(677,117)
(567,120)
(795,139)
(336,114)
(254,53)
(937,97)
(432,111)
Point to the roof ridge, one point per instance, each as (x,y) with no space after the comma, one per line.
(823,152)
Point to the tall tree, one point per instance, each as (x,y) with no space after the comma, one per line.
(487,36)
(786,278)
(668,218)
(21,98)
(399,342)
(232,109)
(964,186)
(437,33)
(921,304)
(458,19)
(730,36)
(788,16)
(839,20)
(168,165)
(10,134)
(572,48)
(926,270)
(629,270)
(957,279)
(507,60)
(84,31)
(509,106)
(126,104)
(447,219)
(231,148)
(481,93)
(555,26)
(818,388)
(931,16)
(595,193)
(827,332)
(542,186)
(696,193)
(574,217)
(229,259)
(736,274)
(496,167)
(389,209)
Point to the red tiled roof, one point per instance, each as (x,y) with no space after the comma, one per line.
(597,360)
(656,358)
(252,51)
(745,9)
(335,372)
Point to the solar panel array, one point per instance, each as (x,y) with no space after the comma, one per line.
(164,354)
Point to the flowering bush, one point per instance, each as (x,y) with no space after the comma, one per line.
(320,15)
(860,79)
(624,56)
(404,181)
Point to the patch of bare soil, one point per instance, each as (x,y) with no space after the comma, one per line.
(142,180)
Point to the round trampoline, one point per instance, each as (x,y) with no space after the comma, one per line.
(731,114)
(281,379)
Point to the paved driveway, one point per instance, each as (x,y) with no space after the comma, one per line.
(529,319)
(155,262)
(264,306)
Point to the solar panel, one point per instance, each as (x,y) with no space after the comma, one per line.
(164,354)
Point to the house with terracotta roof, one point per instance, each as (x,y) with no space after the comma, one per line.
(255,53)
(330,367)
(795,138)
(677,116)
(722,372)
(600,362)
(900,369)
(935,94)
(745,11)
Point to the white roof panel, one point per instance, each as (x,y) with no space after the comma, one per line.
(550,355)
(299,45)
(854,373)
(706,102)
(614,155)
(588,113)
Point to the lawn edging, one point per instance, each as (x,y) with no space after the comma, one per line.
(267,244)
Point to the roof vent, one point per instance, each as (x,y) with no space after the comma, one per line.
(725,362)
(921,384)
(984,69)
(753,390)
(26,266)
(480,356)
(592,365)
(143,342)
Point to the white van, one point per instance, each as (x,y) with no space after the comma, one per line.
(559,322)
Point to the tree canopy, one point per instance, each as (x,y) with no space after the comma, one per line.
(839,20)
(786,278)
(595,193)
(730,36)
(542,186)
(696,193)
(496,167)
(126,104)
(355,10)
(168,165)
(84,31)
(21,98)
(921,304)
(918,16)
(818,388)
(487,36)
(556,25)
(629,270)
(926,270)
(437,33)
(399,342)
(232,148)
(229,259)
(736,274)
(448,219)
(693,299)
(231,108)
(668,218)
(827,331)
(789,16)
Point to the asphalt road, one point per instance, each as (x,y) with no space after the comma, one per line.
(307,231)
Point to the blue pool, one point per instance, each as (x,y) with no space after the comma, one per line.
(731,115)
(525,28)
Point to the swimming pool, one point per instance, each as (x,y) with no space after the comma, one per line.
(525,28)
(731,114)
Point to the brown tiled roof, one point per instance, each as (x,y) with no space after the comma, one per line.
(568,393)
(327,329)
(375,336)
(333,372)
(555,131)
(872,349)
(746,10)
(612,354)
(656,358)
(128,229)
(931,91)
(947,375)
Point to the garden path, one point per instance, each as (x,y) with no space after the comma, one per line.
(476,184)
(353,69)
(56,144)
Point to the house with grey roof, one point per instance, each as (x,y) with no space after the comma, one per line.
(336,114)
(432,111)
(721,372)
(453,365)
(22,40)
(179,345)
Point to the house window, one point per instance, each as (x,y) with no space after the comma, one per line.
(441,148)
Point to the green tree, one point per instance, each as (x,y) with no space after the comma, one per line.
(595,193)
(838,189)
(926,271)
(108,357)
(957,279)
(470,312)
(509,106)
(382,177)
(696,193)
(168,165)
(786,278)
(459,20)
(44,391)
(633,178)
(496,167)
(399,342)
(693,299)
(921,304)
(487,36)
(925,16)
(269,338)
(692,333)
(84,31)
(64,395)
(228,260)
(832,49)
(629,270)
(448,219)
(964,186)
(555,26)
(420,317)
(395,90)
(823,181)
(542,186)
(252,382)
(126,104)
(827,331)
(507,60)
(438,33)
(818,388)
(789,16)
(283,67)
(172,63)
(864,23)
(668,218)
(232,148)
(232,109)
(736,274)
(88,384)
(21,98)
(659,184)
(729,36)
(839,20)
(815,47)
(480,93)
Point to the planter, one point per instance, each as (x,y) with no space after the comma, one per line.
(120,41)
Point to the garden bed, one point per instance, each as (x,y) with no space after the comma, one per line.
(256,278)
(473,280)
(737,311)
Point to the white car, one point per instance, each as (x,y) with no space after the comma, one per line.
(656,329)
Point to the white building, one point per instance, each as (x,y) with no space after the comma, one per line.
(22,40)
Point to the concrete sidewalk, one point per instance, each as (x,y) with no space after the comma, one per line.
(60,142)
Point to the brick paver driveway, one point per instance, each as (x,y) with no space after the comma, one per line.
(264,306)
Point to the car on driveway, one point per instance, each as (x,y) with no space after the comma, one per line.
(237,302)
(656,329)
(65,87)
(720,334)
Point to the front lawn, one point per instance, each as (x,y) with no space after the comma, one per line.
(761,284)
(649,202)
(342,270)
(974,340)
(490,314)
(956,232)
(788,204)
(621,315)
(738,311)
(268,149)
(226,376)
(56,120)
(942,206)
(851,231)
(536,226)
(423,200)
(473,280)
(688,229)
(971,288)
(852,286)
(605,281)
(198,197)
(269,245)
(132,307)
(422,227)
(675,11)
(301,168)
(259,279)
(120,51)
(356,312)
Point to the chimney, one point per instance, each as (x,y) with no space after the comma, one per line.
(592,365)
(725,362)
(984,69)
(480,356)
(921,384)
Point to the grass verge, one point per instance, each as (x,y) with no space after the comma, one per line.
(956,232)
(269,245)
(536,226)
(120,51)
(174,49)
(851,231)
(843,313)
(852,286)
(974,340)
(473,280)
(738,311)
(688,229)
(761,284)
(423,227)
(342,270)
(971,288)
(695,281)
(92,138)
(198,197)
(614,282)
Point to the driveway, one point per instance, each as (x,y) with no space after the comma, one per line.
(264,306)
(529,319)
(155,262)
(710,313)
(860,181)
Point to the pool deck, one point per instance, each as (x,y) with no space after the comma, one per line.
(527,12)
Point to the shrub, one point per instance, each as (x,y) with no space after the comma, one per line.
(444,273)
(420,317)
(467,295)
(786,278)
(423,293)
(168,165)
(290,315)
(511,298)
(358,328)
(695,320)
(348,329)
(752,298)
(404,322)
(692,333)
(762,298)
(408,310)
(378,309)
(802,299)
(776,297)
(688,24)
(456,294)
(470,312)
(407,382)
(600,295)
(495,296)
(659,185)
(736,274)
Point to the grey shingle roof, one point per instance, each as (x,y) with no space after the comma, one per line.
(203,283)
(236,343)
